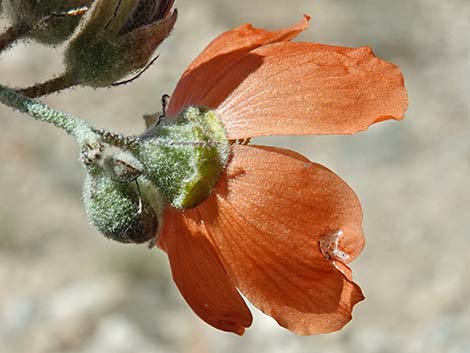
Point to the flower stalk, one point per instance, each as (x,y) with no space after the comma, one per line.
(76,127)
(70,124)
(56,84)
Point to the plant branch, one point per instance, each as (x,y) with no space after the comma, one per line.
(72,125)
(56,84)
(12,34)
(118,140)
(79,128)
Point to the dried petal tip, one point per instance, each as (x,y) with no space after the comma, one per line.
(115,41)
(329,247)
(146,12)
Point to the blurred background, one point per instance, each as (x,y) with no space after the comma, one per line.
(65,288)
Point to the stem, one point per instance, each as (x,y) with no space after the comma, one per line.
(12,34)
(74,126)
(118,140)
(54,85)
(78,128)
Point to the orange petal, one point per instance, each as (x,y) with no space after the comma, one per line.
(199,274)
(307,88)
(267,216)
(219,58)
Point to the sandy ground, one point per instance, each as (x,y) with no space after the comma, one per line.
(64,288)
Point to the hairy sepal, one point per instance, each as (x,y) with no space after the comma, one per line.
(184,159)
(124,212)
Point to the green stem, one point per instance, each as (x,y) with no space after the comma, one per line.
(130,143)
(54,85)
(74,126)
(79,128)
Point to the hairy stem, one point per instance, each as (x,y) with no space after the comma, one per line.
(72,125)
(56,84)
(12,34)
(79,128)
(118,140)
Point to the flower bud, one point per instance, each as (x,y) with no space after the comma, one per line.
(119,210)
(121,204)
(117,37)
(47,21)
(179,163)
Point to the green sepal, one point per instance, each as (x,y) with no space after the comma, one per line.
(125,212)
(184,159)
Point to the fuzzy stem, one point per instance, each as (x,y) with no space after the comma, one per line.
(56,84)
(76,127)
(12,34)
(118,140)
(72,125)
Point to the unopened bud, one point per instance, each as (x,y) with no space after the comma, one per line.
(121,203)
(49,22)
(177,164)
(119,210)
(117,38)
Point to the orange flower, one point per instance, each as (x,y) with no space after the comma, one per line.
(277,227)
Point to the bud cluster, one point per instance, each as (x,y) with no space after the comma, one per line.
(179,163)
(106,40)
(129,179)
(114,41)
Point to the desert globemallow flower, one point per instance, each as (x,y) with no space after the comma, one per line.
(277,227)
(235,217)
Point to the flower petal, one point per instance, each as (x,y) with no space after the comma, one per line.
(219,58)
(307,88)
(199,274)
(267,216)
(353,243)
